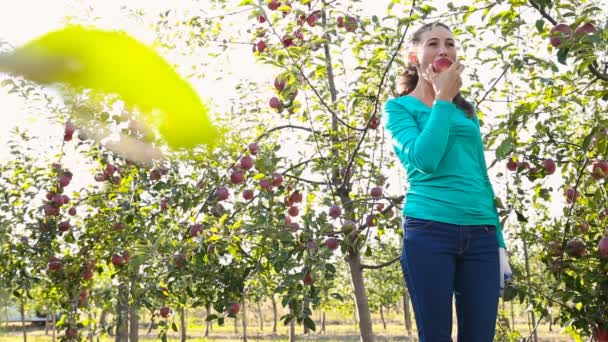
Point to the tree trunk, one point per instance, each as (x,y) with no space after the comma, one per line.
(512,316)
(532,316)
(208,325)
(275,315)
(244,317)
(261,316)
(292,330)
(122,314)
(22,309)
(406,312)
(133,324)
(306,306)
(323,322)
(236,325)
(54,322)
(182,321)
(362,307)
(382,316)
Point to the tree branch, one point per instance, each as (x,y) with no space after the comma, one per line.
(384,264)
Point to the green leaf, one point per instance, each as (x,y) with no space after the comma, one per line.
(211,317)
(310,324)
(113,62)
(174,326)
(540,25)
(504,148)
(562,55)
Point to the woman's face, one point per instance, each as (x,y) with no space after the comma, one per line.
(434,44)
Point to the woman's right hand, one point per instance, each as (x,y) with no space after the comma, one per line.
(447,83)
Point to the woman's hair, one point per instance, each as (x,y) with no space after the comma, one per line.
(408,80)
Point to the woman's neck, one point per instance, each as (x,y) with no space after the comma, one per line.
(424,92)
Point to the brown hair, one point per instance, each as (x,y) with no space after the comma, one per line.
(409,79)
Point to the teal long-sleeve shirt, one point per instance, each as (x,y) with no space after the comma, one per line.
(442,152)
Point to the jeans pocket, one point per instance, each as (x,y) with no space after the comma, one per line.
(412,223)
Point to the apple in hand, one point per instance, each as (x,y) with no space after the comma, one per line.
(441,64)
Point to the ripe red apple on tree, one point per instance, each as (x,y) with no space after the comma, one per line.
(374,122)
(335,211)
(340,22)
(575,247)
(308,280)
(376,192)
(312,19)
(332,243)
(265,184)
(254,148)
(180,260)
(54,264)
(221,193)
(558,33)
(164,204)
(512,164)
(287,40)
(603,247)
(87,275)
(571,195)
(237,177)
(261,19)
(273,5)
(351,23)
(64,226)
(549,166)
(277,179)
(71,333)
(117,260)
(69,131)
(260,46)
(600,334)
(196,229)
(234,308)
(279,84)
(65,179)
(296,197)
(584,29)
(312,244)
(370,220)
(164,312)
(248,194)
(293,211)
(275,103)
(599,170)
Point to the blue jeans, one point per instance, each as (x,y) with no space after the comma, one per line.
(440,260)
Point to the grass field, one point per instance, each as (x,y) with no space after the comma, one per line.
(338,328)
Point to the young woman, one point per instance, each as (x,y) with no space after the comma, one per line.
(453,241)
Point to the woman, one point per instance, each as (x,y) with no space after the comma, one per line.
(452,235)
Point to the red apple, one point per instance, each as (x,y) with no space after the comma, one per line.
(370,220)
(273,5)
(64,226)
(254,148)
(575,247)
(57,200)
(196,229)
(54,264)
(275,103)
(603,247)
(265,184)
(261,19)
(586,28)
(441,64)
(571,195)
(512,164)
(374,122)
(599,170)
(248,194)
(298,34)
(332,243)
(261,46)
(180,260)
(221,193)
(69,131)
(293,211)
(376,192)
(340,22)
(155,175)
(100,177)
(87,275)
(308,279)
(66,199)
(351,24)
(237,177)
(234,309)
(312,19)
(164,312)
(549,166)
(380,206)
(71,333)
(601,335)
(117,260)
(164,204)
(287,40)
(277,179)
(246,163)
(119,226)
(335,211)
(65,179)
(558,33)
(296,197)
(279,84)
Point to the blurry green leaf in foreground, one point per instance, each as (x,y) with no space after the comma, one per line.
(112,62)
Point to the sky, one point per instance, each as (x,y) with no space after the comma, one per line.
(27,19)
